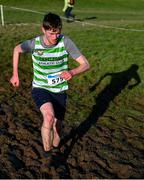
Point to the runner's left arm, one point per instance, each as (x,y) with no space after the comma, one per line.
(78,56)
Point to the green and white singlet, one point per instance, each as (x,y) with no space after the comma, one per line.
(48,63)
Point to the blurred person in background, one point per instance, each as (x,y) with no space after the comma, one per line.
(68,7)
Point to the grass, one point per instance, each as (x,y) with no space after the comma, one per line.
(109,50)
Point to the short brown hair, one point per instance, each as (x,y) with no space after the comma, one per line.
(52,21)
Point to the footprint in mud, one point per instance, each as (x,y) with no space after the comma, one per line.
(17,163)
(2,112)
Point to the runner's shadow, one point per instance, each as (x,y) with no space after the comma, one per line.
(119,81)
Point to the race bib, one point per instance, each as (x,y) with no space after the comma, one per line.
(54,79)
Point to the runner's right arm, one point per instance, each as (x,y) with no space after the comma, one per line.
(15,77)
(20,48)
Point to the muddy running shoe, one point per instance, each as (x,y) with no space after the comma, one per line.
(55,151)
(47,160)
(56,157)
(47,154)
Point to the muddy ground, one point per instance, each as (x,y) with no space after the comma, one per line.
(89,149)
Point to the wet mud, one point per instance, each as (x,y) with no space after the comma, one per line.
(93,152)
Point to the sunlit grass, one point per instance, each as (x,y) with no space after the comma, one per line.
(109,50)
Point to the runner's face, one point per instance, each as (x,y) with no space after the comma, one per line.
(51,36)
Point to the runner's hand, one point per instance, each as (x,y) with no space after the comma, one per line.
(67,75)
(14,81)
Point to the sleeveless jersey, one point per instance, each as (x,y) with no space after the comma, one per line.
(48,63)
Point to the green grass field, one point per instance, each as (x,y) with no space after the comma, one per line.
(110,34)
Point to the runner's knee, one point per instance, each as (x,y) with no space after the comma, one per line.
(48,119)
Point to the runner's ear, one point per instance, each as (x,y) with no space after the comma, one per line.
(43,30)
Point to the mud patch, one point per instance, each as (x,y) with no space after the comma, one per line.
(101,152)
